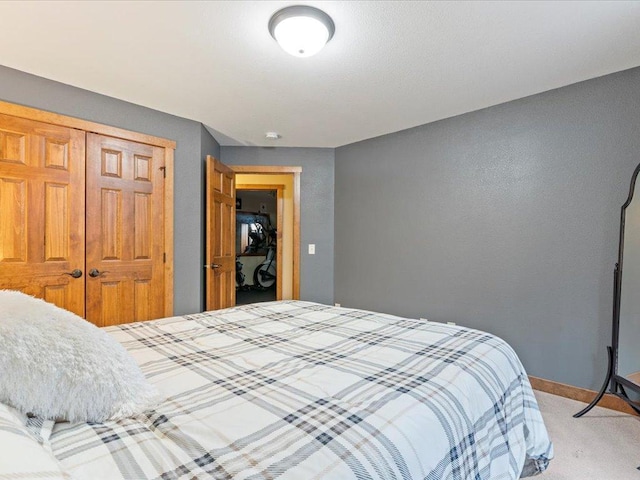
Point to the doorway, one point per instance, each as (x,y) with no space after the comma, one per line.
(286,180)
(258,258)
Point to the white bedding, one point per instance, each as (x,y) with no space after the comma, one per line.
(297,390)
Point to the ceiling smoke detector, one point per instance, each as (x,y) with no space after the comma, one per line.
(272,135)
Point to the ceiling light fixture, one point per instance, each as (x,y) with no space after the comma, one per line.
(301,30)
(272,136)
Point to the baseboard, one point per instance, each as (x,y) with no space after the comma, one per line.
(581,394)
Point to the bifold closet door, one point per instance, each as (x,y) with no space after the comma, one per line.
(124,231)
(42,176)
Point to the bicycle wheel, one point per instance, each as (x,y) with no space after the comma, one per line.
(265,275)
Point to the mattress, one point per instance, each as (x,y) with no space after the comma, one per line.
(299,390)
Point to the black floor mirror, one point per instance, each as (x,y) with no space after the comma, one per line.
(623,372)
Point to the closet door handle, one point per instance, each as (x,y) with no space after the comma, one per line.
(213,265)
(94,272)
(77,273)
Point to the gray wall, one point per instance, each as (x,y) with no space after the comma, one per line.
(504,219)
(316,209)
(33,91)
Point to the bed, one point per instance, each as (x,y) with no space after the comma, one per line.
(300,390)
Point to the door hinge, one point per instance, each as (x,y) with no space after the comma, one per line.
(164,258)
(164,172)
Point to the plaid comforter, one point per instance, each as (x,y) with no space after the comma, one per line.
(298,390)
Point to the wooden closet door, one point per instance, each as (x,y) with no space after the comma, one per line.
(125,231)
(42,175)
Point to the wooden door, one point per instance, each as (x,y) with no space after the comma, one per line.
(42,181)
(125,231)
(221,235)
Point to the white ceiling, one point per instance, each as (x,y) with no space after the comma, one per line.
(390,66)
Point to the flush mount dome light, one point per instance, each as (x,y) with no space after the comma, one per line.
(301,30)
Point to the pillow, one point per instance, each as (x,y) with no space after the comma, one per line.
(22,455)
(58,366)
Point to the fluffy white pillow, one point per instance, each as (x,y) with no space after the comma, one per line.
(56,365)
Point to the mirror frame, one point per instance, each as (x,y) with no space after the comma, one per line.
(617,383)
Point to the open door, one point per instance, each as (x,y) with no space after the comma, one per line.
(221,235)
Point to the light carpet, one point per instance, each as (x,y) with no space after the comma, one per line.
(602,445)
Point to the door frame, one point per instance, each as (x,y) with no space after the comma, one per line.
(295,172)
(93,127)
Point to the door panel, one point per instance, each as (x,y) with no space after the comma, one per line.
(125,236)
(221,230)
(42,180)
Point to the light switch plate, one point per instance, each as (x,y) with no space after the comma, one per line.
(312,249)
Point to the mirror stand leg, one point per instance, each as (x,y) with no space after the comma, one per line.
(604,386)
